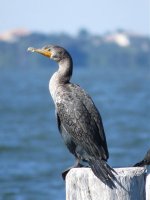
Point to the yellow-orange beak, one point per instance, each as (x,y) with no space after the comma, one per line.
(44,52)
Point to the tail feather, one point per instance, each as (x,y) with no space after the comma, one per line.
(145,161)
(104,172)
(140,164)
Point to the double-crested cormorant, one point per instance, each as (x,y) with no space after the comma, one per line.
(145,161)
(79,121)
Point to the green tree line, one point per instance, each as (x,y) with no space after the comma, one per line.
(85,48)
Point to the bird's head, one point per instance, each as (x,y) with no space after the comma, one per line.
(55,53)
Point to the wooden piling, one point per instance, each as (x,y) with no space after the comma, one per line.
(148,187)
(82,184)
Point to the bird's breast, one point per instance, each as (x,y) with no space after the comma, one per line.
(53,85)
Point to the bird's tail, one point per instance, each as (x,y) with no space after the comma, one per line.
(145,161)
(104,172)
(140,164)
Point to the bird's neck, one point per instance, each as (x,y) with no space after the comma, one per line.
(62,76)
(65,70)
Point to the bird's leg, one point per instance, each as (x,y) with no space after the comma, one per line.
(76,165)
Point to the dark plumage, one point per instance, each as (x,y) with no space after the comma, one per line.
(79,121)
(145,161)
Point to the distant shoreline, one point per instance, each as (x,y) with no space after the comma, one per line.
(117,49)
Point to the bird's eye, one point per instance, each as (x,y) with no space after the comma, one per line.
(49,49)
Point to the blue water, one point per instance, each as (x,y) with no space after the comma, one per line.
(32,154)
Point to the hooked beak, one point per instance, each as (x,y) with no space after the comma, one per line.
(44,52)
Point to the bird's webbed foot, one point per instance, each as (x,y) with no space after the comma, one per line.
(76,165)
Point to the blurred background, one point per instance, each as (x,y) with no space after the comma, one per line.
(110,45)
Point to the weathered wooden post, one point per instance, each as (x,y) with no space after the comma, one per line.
(148,187)
(82,184)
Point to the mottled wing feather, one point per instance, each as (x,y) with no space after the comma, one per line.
(94,114)
(80,124)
